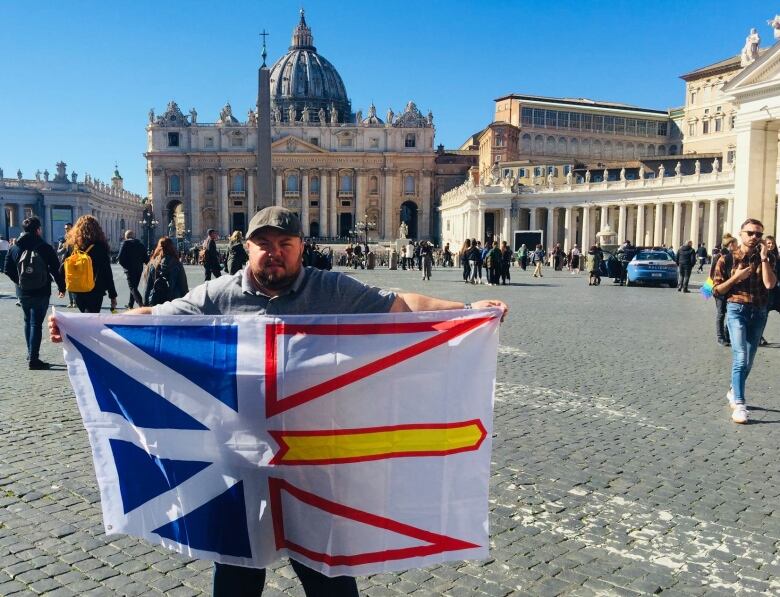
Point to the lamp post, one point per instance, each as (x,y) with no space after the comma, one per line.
(148,223)
(364,226)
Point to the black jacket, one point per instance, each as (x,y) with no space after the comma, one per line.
(686,257)
(132,256)
(173,269)
(101,268)
(45,250)
(211,258)
(236,257)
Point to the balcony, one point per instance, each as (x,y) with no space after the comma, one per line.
(292,194)
(346,194)
(237,194)
(173,193)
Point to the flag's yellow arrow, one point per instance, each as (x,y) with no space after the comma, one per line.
(338,446)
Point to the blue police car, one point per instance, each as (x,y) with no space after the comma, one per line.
(654,266)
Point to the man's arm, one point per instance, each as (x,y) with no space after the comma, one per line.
(54,330)
(409,301)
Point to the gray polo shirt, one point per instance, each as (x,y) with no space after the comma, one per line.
(314,292)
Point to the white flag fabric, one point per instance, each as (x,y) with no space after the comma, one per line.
(354,444)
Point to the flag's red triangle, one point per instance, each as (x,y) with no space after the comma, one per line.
(432,543)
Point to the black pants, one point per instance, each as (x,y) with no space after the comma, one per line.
(685,276)
(133,279)
(466,268)
(212,269)
(721,329)
(237,581)
(504,273)
(89,302)
(524,262)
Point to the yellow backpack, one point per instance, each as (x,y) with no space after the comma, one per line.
(79,276)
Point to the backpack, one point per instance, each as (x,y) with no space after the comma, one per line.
(79,275)
(32,269)
(161,288)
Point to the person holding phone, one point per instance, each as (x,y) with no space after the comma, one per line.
(744,278)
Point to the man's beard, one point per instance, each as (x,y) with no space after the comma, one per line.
(276,281)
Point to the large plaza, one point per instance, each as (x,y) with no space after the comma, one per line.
(616,469)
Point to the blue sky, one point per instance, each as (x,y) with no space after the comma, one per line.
(78,78)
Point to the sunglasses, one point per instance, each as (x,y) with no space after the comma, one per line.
(755,233)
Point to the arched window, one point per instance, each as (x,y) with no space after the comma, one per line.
(411,140)
(210,185)
(563,146)
(672,150)
(237,182)
(607,152)
(526,144)
(662,150)
(574,146)
(596,151)
(619,155)
(315,185)
(373,185)
(549,148)
(292,183)
(345,183)
(174,184)
(408,184)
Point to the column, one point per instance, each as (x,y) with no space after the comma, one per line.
(568,237)
(389,232)
(755,172)
(305,202)
(224,223)
(676,218)
(587,239)
(549,240)
(480,225)
(604,217)
(712,228)
(278,191)
(621,230)
(324,203)
(694,223)
(425,205)
(506,215)
(196,203)
(251,201)
(640,225)
(730,218)
(533,221)
(631,223)
(360,196)
(658,228)
(334,201)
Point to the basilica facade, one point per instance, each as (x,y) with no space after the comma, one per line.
(337,169)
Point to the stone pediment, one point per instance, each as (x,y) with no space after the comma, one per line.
(764,72)
(290,144)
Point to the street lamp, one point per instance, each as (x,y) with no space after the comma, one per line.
(148,223)
(364,226)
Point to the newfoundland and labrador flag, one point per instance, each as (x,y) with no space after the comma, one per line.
(354,444)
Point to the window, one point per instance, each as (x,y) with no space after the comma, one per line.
(563,120)
(631,126)
(408,184)
(537,171)
(662,129)
(373,142)
(566,169)
(527,117)
(373,186)
(717,110)
(732,122)
(174,184)
(314,141)
(173,139)
(237,182)
(538,117)
(706,110)
(652,128)
(499,142)
(693,97)
(730,155)
(507,172)
(705,127)
(236,141)
(550,118)
(673,150)
(552,170)
(498,158)
(345,183)
(692,129)
(209,142)
(620,125)
(292,183)
(609,124)
(718,124)
(521,173)
(209,185)
(315,185)
(410,141)
(574,121)
(587,122)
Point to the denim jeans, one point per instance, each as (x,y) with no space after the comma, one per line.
(236,581)
(34,308)
(746,325)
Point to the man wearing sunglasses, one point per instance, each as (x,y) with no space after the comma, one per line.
(744,278)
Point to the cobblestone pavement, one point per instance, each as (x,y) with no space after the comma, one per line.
(616,469)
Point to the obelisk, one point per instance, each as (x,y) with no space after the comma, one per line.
(264,173)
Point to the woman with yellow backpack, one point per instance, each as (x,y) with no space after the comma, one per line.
(87,269)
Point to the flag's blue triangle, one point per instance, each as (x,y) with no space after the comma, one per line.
(218,525)
(143,476)
(117,392)
(204,354)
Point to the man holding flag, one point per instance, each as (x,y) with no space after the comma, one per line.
(275,283)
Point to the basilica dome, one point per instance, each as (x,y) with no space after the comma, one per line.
(302,78)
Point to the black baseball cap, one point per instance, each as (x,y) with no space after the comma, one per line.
(279,218)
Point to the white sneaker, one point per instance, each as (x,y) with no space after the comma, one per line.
(730,398)
(740,414)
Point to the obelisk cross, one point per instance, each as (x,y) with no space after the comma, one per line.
(264,34)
